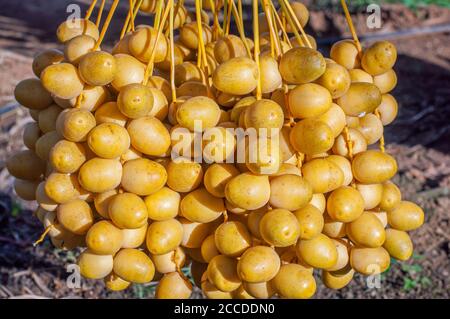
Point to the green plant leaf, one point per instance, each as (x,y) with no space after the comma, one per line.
(409,284)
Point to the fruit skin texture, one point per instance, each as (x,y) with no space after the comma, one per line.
(102,200)
(343,249)
(248,191)
(324,176)
(195,233)
(100,175)
(318,252)
(167,263)
(143,40)
(45,143)
(163,204)
(358,140)
(97,68)
(336,80)
(173,286)
(372,167)
(25,165)
(104,238)
(371,194)
(134,266)
(318,200)
(127,210)
(208,249)
(160,104)
(31,134)
(45,203)
(360,98)
(76,216)
(135,100)
(290,192)
(332,228)
(366,231)
(241,293)
(149,136)
(187,72)
(345,204)
(222,273)
(346,54)
(371,127)
(369,261)
(301,65)
(310,220)
(237,76)
(62,80)
(263,290)
(200,206)
(390,197)
(388,109)
(309,100)
(302,14)
(164,236)
(46,58)
(336,280)
(406,216)
(293,282)
(129,70)
(75,124)
(115,283)
(94,266)
(386,82)
(264,114)
(270,75)
(211,291)
(91,98)
(232,238)
(345,166)
(398,244)
(279,227)
(143,177)
(229,47)
(184,176)
(358,75)
(263,156)
(72,28)
(258,264)
(379,57)
(133,238)
(47,118)
(61,188)
(108,140)
(217,176)
(32,94)
(77,47)
(311,136)
(25,189)
(199,108)
(189,34)
(109,113)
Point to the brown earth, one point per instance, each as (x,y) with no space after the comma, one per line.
(419,139)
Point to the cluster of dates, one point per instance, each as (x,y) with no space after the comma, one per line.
(99,159)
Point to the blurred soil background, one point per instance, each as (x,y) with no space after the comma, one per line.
(419,139)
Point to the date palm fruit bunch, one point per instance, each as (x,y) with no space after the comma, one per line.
(319,203)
